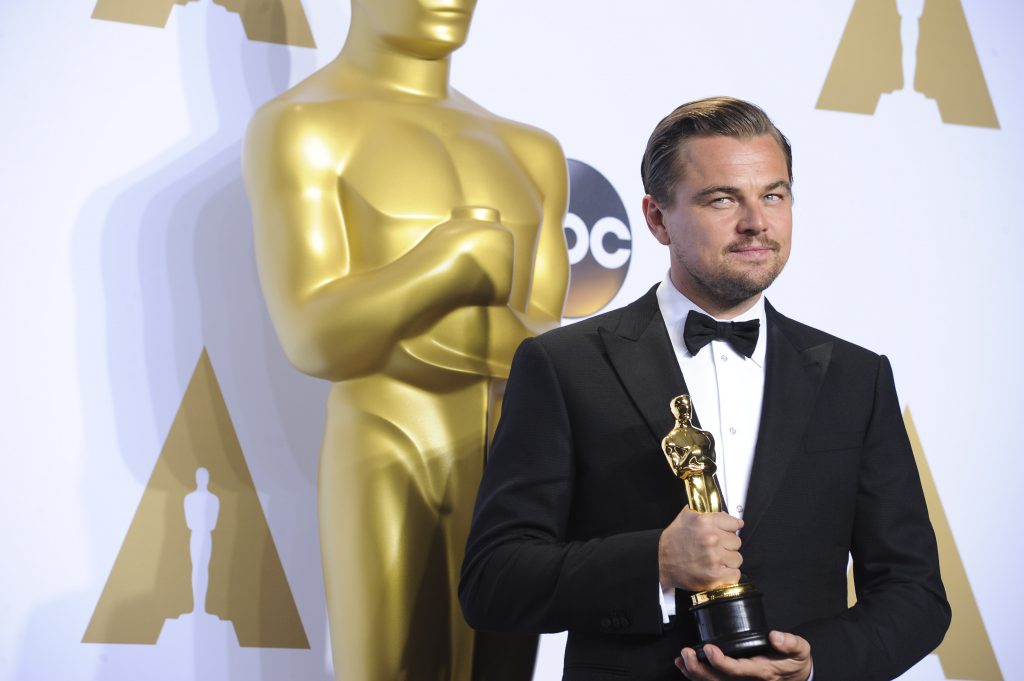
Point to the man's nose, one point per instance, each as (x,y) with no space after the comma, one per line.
(752,219)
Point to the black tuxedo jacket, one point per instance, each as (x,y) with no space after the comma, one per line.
(576,493)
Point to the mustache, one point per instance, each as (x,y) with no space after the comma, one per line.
(753,243)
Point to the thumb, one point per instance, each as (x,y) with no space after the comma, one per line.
(789,645)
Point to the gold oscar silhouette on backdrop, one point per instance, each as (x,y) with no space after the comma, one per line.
(407,241)
(918,52)
(152,582)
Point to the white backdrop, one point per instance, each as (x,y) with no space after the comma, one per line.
(126,248)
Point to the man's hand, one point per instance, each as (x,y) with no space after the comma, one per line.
(791,661)
(700,551)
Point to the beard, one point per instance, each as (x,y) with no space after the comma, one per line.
(728,286)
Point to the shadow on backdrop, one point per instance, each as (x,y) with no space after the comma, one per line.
(163,267)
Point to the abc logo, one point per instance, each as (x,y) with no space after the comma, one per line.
(599,239)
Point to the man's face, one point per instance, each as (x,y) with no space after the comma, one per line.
(429,29)
(730,221)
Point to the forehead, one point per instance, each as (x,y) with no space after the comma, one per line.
(721,159)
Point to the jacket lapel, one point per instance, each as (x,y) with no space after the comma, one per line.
(641,354)
(792,380)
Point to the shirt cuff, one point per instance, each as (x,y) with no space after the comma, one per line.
(667,599)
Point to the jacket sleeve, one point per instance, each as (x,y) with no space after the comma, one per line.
(901,613)
(522,571)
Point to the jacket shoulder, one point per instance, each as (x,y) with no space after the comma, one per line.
(803,336)
(629,320)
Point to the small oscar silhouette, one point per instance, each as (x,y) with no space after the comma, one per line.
(198,629)
(201,510)
(908,103)
(730,616)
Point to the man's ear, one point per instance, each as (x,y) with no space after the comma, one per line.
(655,219)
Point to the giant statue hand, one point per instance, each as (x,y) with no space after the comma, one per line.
(482,250)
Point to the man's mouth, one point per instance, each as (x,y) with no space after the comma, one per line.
(754,249)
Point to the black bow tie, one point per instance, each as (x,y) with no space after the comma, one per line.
(701,329)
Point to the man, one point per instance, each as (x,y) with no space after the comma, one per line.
(578,518)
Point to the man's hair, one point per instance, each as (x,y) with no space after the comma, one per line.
(662,164)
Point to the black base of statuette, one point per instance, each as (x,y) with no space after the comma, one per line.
(735,624)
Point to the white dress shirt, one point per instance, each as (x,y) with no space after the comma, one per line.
(727,391)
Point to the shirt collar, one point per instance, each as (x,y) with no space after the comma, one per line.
(675,306)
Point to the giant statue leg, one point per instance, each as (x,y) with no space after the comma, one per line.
(398,476)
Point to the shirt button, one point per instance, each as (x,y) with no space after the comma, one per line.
(739,508)
(732,431)
(725,358)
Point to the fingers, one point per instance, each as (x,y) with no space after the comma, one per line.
(716,535)
(790,661)
(694,669)
(700,551)
(726,522)
(721,666)
(728,541)
(727,665)
(721,520)
(790,645)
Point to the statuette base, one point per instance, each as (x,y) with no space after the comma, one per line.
(732,618)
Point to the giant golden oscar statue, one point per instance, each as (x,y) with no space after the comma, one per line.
(407,241)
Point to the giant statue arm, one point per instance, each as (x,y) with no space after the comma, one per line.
(335,319)
(551,265)
(540,309)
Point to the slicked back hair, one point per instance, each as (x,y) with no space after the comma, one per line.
(662,165)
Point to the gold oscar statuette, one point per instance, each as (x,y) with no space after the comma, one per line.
(730,616)
(407,241)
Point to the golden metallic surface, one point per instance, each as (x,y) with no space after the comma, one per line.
(691,455)
(149,593)
(729,591)
(407,241)
(272,21)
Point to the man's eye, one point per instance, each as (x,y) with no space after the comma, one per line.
(721,201)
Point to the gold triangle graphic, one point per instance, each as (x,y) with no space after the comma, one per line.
(272,21)
(144,13)
(966,652)
(151,580)
(948,68)
(868,63)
